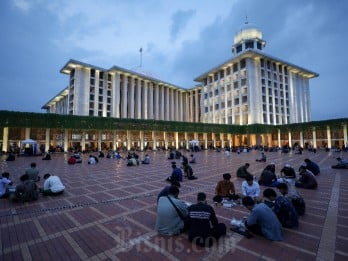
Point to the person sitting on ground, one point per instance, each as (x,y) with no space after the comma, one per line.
(204,228)
(91,160)
(312,166)
(47,156)
(176,174)
(169,219)
(132,162)
(262,220)
(268,178)
(72,160)
(288,172)
(5,182)
(284,210)
(225,189)
(184,160)
(171,155)
(242,171)
(177,154)
(33,172)
(11,157)
(251,188)
(271,167)
(146,159)
(295,198)
(307,180)
(26,191)
(269,195)
(77,155)
(341,164)
(188,171)
(52,185)
(193,159)
(117,155)
(165,191)
(101,154)
(263,158)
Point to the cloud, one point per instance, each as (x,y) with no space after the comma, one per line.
(179,21)
(24,5)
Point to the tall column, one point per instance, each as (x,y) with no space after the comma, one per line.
(117,96)
(150,112)
(167,108)
(345,136)
(114,139)
(144,101)
(154,140)
(205,137)
(165,137)
(328,131)
(131,99)
(128,140)
(99,140)
(5,139)
(314,138)
(172,109)
(176,139)
(222,140)
(290,141)
(47,139)
(186,141)
(162,117)
(27,133)
(229,138)
(301,139)
(177,111)
(197,105)
(214,139)
(83,141)
(66,140)
(156,102)
(124,97)
(191,116)
(139,105)
(279,141)
(141,135)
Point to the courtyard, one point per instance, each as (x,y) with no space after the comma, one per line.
(108,211)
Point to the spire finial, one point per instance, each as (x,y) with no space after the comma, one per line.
(246,19)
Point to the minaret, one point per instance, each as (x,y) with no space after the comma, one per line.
(248,37)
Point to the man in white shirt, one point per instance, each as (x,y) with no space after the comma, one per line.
(4,183)
(251,188)
(53,185)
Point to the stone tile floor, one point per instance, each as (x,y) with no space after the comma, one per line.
(108,212)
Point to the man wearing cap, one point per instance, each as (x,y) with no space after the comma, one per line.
(225,189)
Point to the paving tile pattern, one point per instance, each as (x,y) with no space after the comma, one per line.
(108,212)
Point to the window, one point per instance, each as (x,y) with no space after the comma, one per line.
(101,75)
(262,73)
(100,91)
(109,77)
(244,99)
(100,106)
(229,103)
(216,106)
(91,89)
(92,73)
(263,99)
(91,97)
(91,112)
(109,100)
(108,107)
(259,46)
(263,90)
(100,113)
(249,45)
(242,64)
(205,109)
(243,82)
(263,82)
(268,65)
(205,95)
(262,63)
(235,85)
(92,81)
(210,94)
(264,108)
(222,74)
(216,76)
(100,98)
(239,48)
(216,92)
(91,105)
(236,101)
(108,114)
(270,108)
(101,83)
(109,93)
(223,105)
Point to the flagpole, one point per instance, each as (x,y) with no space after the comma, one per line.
(141,56)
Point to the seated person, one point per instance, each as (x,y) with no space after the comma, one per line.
(307,180)
(295,198)
(146,159)
(77,155)
(184,159)
(242,171)
(341,164)
(225,189)
(271,167)
(47,157)
(165,190)
(26,191)
(171,155)
(176,174)
(284,210)
(52,185)
(177,154)
(117,155)
(262,220)
(101,154)
(193,159)
(5,182)
(263,158)
(312,166)
(269,195)
(170,220)
(288,172)
(188,171)
(33,172)
(10,157)
(250,188)
(268,178)
(91,160)
(132,162)
(204,228)
(71,160)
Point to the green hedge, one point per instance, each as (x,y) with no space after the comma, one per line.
(48,120)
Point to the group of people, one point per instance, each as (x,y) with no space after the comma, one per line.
(27,189)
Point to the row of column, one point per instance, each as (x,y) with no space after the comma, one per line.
(232,140)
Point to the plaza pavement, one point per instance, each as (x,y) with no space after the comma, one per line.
(108,212)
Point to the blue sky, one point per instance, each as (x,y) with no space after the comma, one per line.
(180,39)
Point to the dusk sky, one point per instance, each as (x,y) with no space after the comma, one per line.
(180,39)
